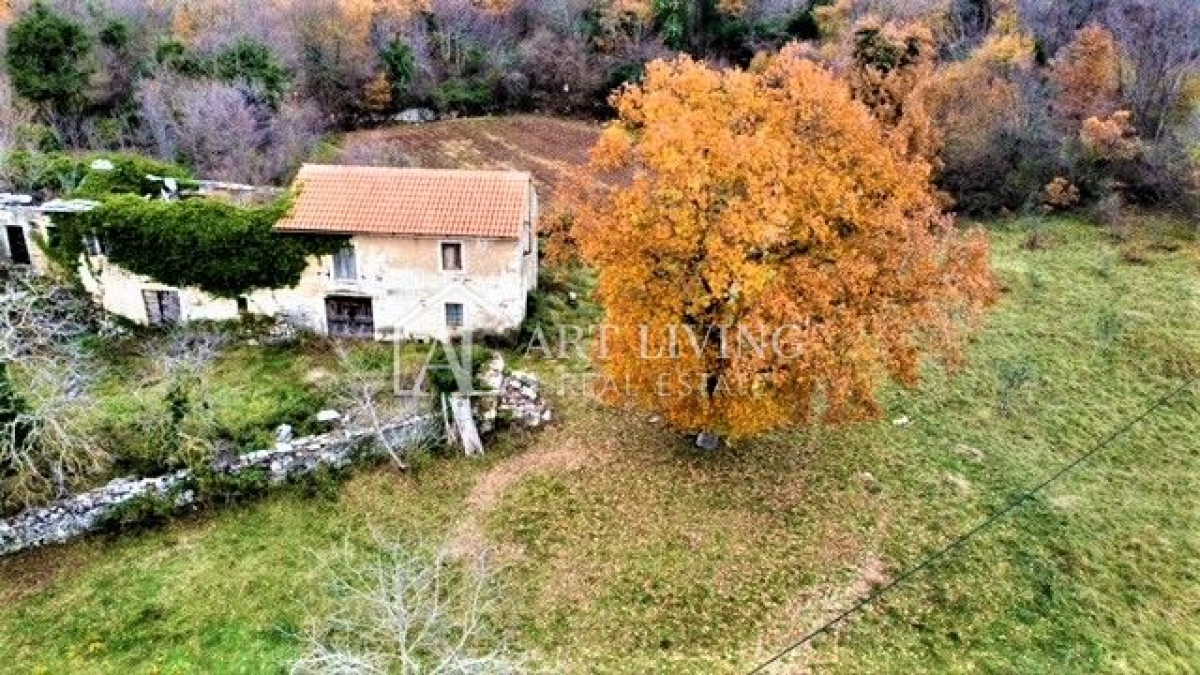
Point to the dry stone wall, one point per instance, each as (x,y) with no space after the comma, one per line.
(80,514)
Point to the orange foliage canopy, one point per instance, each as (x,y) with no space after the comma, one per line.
(767,204)
(971,102)
(891,67)
(1111,138)
(1087,76)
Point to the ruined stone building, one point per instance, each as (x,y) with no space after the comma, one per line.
(431,253)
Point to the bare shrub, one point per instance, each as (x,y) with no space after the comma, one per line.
(223,131)
(1109,212)
(45,444)
(402,611)
(185,429)
(45,447)
(368,402)
(38,315)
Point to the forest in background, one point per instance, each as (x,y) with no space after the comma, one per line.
(1018,104)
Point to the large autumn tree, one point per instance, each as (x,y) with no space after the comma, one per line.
(768,206)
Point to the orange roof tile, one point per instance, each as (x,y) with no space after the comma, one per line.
(385,200)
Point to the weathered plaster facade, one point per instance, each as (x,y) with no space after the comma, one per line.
(397,284)
(401,276)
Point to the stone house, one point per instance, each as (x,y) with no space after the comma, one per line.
(431,253)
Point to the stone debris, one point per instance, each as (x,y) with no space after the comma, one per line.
(73,516)
(282,331)
(283,433)
(77,515)
(329,416)
(316,375)
(521,400)
(518,397)
(415,116)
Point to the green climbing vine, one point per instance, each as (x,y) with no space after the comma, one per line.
(218,247)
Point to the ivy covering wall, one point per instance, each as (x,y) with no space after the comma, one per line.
(218,247)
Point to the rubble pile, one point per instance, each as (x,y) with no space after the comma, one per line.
(521,399)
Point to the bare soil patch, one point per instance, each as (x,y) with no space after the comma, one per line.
(547,147)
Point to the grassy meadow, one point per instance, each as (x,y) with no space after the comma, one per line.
(621,548)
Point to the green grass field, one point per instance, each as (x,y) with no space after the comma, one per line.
(623,549)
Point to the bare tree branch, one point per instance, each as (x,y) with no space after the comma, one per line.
(405,612)
(368,403)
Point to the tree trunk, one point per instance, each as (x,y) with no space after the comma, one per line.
(707,440)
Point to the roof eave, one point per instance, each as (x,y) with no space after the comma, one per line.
(412,235)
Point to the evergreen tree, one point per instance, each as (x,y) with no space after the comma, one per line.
(47,58)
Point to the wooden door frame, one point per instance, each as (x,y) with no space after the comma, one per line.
(364,328)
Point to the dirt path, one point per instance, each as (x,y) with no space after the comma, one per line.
(553,453)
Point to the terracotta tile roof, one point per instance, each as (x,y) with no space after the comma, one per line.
(385,200)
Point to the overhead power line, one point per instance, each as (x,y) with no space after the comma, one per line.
(965,537)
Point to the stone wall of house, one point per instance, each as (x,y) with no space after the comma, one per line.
(83,513)
(33,225)
(399,275)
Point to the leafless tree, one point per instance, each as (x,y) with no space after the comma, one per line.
(226,23)
(157,111)
(907,10)
(45,448)
(561,17)
(563,75)
(404,612)
(465,31)
(1055,22)
(1162,40)
(334,65)
(367,402)
(38,316)
(44,445)
(211,124)
(774,10)
(291,134)
(222,131)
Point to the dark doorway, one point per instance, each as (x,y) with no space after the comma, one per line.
(162,307)
(18,248)
(349,317)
